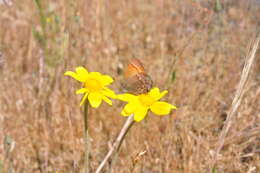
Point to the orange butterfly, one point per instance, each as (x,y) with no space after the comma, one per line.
(136,79)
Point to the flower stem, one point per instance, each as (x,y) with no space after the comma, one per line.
(116,146)
(86,141)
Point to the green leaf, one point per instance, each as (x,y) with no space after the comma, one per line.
(173,76)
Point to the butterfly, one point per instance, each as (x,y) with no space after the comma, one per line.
(136,80)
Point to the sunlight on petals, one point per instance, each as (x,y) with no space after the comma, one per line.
(162,108)
(139,105)
(140,113)
(95,99)
(107,100)
(75,76)
(82,91)
(94,86)
(83,99)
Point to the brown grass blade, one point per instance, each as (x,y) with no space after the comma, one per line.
(237,99)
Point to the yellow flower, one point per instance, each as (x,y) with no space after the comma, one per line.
(140,104)
(94,86)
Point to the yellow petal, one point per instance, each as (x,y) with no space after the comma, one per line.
(162,108)
(106,80)
(95,75)
(83,99)
(95,99)
(81,71)
(140,113)
(130,107)
(163,94)
(82,91)
(155,93)
(75,76)
(109,93)
(126,97)
(107,100)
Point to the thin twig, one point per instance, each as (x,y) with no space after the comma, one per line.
(129,122)
(237,100)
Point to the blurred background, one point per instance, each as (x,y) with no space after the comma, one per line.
(196,49)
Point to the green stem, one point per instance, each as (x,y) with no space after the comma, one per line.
(43,23)
(86,141)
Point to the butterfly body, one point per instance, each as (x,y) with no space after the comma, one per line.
(136,79)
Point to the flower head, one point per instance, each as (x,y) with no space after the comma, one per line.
(94,86)
(139,105)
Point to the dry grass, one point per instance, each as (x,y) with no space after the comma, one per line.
(200,43)
(238,98)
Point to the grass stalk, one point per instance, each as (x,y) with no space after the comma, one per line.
(86,140)
(237,99)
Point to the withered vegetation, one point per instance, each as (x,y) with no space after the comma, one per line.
(195,49)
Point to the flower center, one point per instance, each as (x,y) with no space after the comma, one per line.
(146,100)
(93,85)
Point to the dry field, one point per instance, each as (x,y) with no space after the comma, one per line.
(195,49)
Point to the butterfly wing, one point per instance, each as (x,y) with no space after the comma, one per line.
(133,68)
(136,80)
